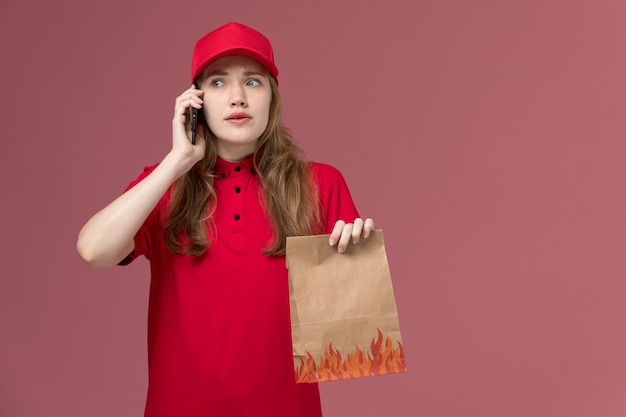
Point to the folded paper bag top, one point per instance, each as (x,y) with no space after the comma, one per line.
(344,319)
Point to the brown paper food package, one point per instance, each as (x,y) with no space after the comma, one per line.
(344,319)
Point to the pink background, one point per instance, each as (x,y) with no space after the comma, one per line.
(486,138)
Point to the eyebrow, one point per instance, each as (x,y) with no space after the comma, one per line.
(222,73)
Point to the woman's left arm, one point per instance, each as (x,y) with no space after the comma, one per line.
(341,218)
(344,232)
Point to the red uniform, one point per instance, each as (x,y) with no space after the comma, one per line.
(219,333)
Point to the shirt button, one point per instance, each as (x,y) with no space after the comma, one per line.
(237,169)
(237,217)
(237,190)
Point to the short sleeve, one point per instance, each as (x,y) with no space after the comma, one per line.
(145,237)
(335,199)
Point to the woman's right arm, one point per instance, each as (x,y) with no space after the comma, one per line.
(108,237)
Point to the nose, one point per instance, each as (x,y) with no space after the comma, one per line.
(238,97)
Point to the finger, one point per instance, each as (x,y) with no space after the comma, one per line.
(191,101)
(188,97)
(357,229)
(184,106)
(193,90)
(336,233)
(344,240)
(368,227)
(197,91)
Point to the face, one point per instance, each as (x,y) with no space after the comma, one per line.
(237,97)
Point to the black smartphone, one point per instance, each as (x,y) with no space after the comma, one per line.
(194,125)
(196,116)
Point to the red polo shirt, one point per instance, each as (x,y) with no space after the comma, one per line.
(219,332)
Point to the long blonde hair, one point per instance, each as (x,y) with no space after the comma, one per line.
(288,190)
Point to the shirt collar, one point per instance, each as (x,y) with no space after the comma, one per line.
(224,168)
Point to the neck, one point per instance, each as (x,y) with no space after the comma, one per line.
(234,153)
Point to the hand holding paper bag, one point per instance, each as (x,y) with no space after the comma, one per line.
(343,311)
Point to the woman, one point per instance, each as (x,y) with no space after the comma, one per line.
(212,218)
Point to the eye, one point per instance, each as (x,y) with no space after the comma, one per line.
(217,83)
(253,83)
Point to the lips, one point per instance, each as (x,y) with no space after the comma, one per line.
(238,117)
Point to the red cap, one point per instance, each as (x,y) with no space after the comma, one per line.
(232,39)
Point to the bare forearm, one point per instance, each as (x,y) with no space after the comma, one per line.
(108,236)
